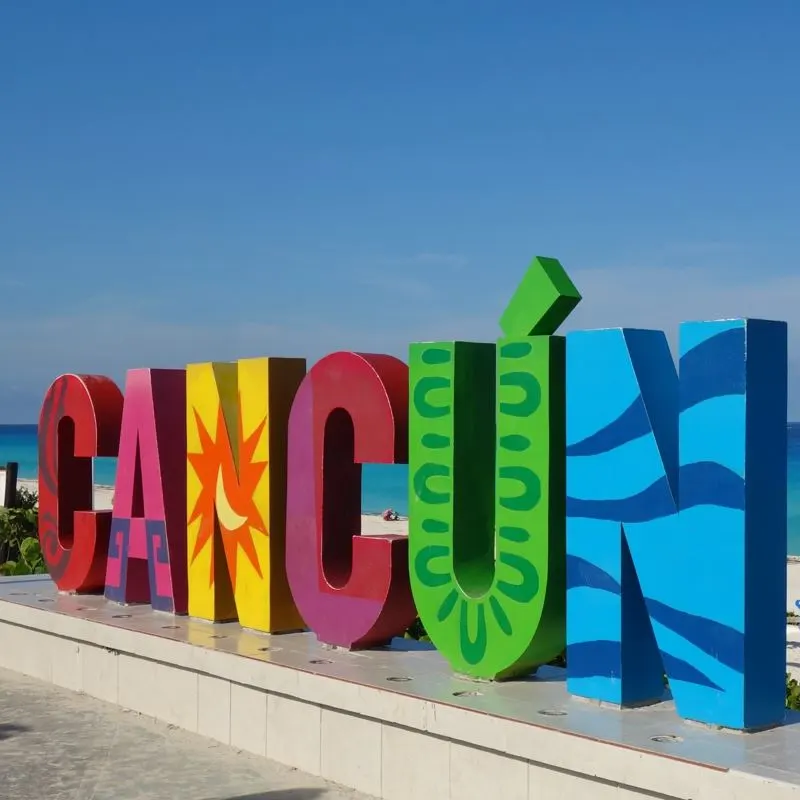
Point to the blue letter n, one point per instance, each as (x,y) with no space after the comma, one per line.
(676,519)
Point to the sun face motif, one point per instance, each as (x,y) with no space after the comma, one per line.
(227,494)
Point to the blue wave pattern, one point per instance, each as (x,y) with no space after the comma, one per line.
(676,554)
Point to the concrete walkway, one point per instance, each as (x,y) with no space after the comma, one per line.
(58,745)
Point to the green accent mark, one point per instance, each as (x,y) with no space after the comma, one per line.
(487,509)
(544,299)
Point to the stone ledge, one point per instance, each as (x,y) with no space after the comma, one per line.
(342,716)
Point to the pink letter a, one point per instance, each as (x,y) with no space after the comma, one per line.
(147,549)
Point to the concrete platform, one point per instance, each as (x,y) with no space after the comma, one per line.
(394,723)
(67,746)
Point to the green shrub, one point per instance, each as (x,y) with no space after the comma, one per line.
(20,553)
(26,499)
(792,693)
(29,560)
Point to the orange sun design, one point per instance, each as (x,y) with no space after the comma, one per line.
(226,495)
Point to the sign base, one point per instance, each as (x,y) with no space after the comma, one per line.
(392,722)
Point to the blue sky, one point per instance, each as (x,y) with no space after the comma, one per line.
(194,181)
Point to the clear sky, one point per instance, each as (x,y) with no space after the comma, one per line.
(189,181)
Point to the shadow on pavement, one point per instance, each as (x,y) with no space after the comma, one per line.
(9,729)
(282,794)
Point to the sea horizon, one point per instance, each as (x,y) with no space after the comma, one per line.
(383,485)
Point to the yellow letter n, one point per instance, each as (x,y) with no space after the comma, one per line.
(236,433)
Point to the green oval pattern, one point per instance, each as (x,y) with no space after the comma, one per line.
(492,634)
(500,616)
(434,526)
(421,488)
(531,488)
(510,533)
(532,394)
(515,442)
(421,391)
(447,606)
(528,587)
(436,355)
(435,441)
(515,349)
(422,566)
(473,650)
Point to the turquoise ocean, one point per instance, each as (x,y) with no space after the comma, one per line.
(382,486)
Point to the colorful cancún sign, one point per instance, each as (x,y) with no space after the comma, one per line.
(574,492)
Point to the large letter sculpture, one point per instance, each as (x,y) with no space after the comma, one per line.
(488,484)
(236,488)
(677,519)
(79,420)
(147,548)
(352,590)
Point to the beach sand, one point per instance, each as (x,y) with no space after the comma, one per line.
(371,524)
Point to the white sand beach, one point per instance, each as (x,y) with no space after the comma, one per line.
(371,524)
(793,584)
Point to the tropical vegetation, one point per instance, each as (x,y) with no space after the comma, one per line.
(20,553)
